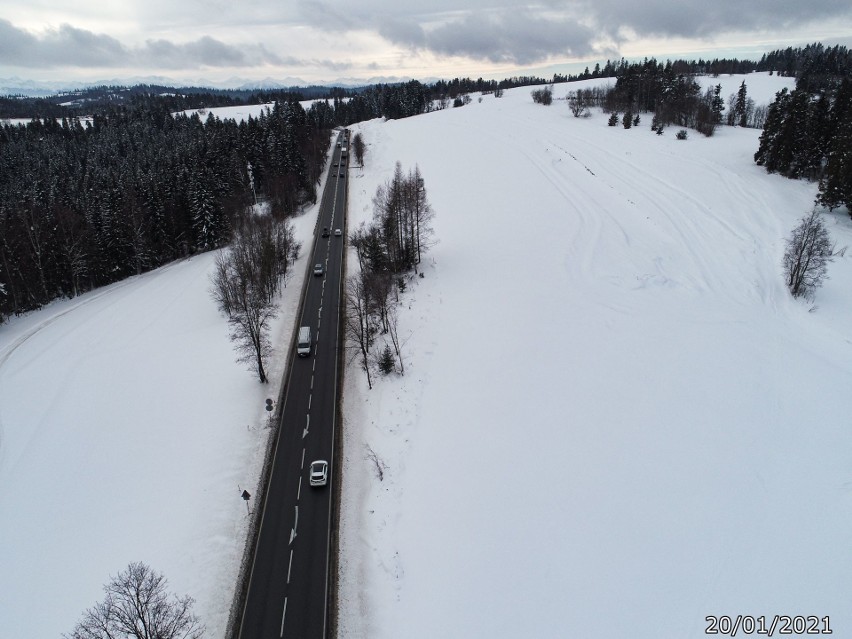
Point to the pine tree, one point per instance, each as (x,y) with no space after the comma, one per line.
(774,151)
(836,185)
(205,211)
(718,104)
(741,106)
(387,362)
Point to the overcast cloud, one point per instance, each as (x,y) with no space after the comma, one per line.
(401,37)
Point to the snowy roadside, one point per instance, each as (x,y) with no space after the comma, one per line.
(612,409)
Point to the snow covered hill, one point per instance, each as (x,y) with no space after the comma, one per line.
(614,420)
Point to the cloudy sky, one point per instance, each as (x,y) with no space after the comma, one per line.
(328,40)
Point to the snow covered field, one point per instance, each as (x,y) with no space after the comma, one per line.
(126,432)
(614,421)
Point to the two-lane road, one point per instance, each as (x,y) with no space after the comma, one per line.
(288,584)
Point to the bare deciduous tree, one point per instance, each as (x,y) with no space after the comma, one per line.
(377,288)
(578,102)
(393,332)
(421,214)
(245,281)
(138,606)
(249,313)
(809,250)
(357,322)
(401,230)
(358,149)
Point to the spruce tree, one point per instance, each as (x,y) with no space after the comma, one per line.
(836,184)
(741,106)
(387,363)
(718,104)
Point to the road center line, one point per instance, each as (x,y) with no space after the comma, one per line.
(299,489)
(295,525)
(283,616)
(303,459)
(290,566)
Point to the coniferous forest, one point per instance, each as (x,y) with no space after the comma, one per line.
(87,204)
(808,131)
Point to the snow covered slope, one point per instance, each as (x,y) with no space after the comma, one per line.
(614,420)
(126,431)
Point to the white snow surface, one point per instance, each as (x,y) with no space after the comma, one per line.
(127,431)
(613,422)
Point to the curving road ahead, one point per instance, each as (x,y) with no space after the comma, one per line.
(288,590)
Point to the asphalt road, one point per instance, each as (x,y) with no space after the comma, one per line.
(288,585)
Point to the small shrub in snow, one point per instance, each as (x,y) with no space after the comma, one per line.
(578,103)
(543,96)
(636,120)
(378,465)
(681,135)
(627,120)
(387,363)
(613,120)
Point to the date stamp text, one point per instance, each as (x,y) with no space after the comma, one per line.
(768,626)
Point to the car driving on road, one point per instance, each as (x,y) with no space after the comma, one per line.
(319,472)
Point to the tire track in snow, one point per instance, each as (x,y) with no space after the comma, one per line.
(678,207)
(591,213)
(681,219)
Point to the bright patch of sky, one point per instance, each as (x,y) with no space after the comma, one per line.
(325,41)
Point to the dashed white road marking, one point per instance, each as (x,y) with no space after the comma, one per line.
(283,617)
(295,525)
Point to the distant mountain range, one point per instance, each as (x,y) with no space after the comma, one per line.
(42,88)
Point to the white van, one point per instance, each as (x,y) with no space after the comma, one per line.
(304,348)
